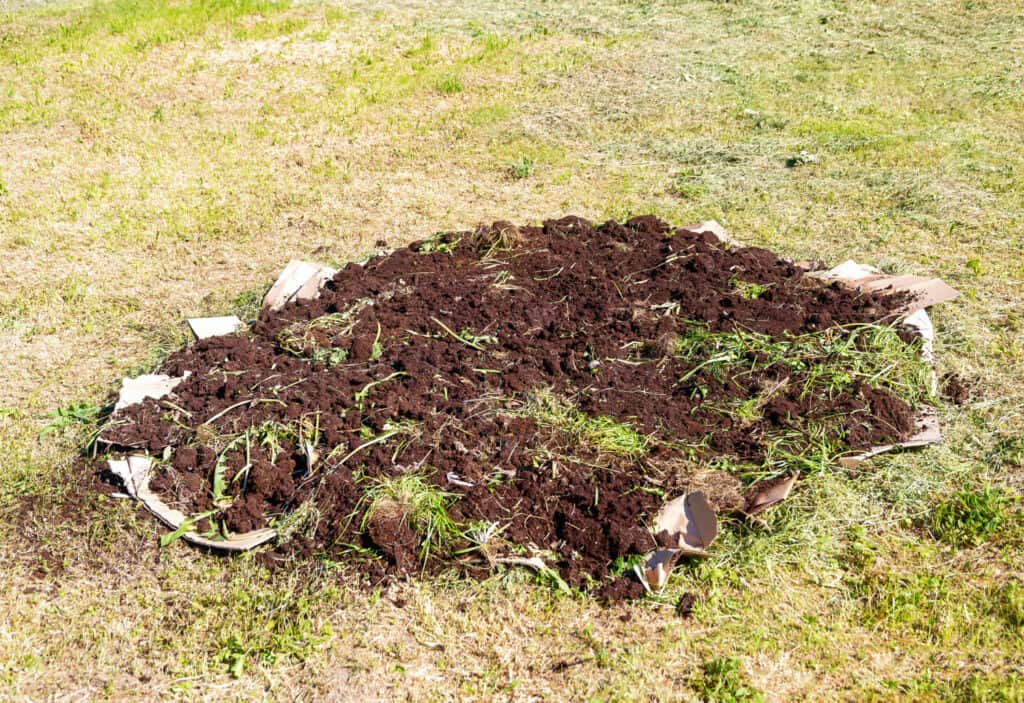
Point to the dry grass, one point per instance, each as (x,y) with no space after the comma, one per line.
(163,160)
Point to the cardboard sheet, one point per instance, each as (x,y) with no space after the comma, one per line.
(134,472)
(300,280)
(153,385)
(925,291)
(203,327)
(686,526)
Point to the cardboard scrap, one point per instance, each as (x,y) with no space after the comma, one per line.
(300,280)
(716,229)
(152,385)
(134,472)
(203,327)
(686,526)
(765,494)
(927,432)
(925,291)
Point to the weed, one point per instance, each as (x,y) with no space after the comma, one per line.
(406,428)
(189,524)
(363,393)
(1008,451)
(77,413)
(603,433)
(688,185)
(269,626)
(467,337)
(522,167)
(970,517)
(322,340)
(439,243)
(419,504)
(449,83)
(302,521)
(723,681)
(377,349)
(1009,603)
(748,290)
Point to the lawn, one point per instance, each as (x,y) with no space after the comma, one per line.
(163,160)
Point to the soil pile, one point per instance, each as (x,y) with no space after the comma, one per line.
(516,391)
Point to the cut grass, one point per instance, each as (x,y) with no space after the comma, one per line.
(602,433)
(415,502)
(827,362)
(158,158)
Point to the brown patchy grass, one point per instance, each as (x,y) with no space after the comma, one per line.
(163,160)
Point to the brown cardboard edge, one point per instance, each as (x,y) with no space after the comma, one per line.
(928,432)
(137,485)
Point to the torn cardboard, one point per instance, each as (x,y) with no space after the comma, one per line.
(766,494)
(685,526)
(300,280)
(154,385)
(924,292)
(203,327)
(134,471)
(926,432)
(713,227)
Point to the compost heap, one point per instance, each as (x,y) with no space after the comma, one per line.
(513,391)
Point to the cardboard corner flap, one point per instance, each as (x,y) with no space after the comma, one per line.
(150,385)
(926,292)
(203,327)
(769,493)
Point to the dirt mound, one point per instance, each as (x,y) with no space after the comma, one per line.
(522,391)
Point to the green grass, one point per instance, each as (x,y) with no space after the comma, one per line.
(970,517)
(602,433)
(722,681)
(161,160)
(417,503)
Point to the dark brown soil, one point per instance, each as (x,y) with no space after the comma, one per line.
(590,313)
(955,390)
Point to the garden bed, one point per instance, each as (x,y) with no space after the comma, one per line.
(526,395)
